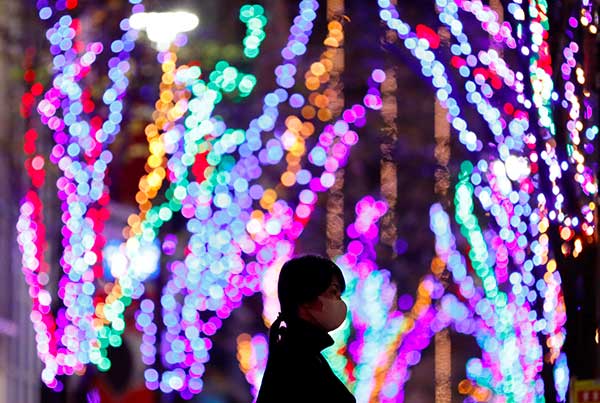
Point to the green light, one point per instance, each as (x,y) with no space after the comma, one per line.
(215,76)
(229,87)
(221,65)
(103,333)
(179,192)
(239,136)
(246,12)
(230,73)
(165,214)
(251,42)
(95,356)
(174,205)
(260,34)
(151,216)
(118,324)
(213,159)
(115,340)
(501,299)
(104,364)
(198,88)
(470,229)
(223,178)
(251,53)
(258,9)
(118,306)
(256,23)
(195,72)
(466,168)
(247,83)
(188,159)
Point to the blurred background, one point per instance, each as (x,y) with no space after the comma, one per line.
(443,152)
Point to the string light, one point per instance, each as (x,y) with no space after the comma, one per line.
(329,107)
(253,17)
(67,342)
(241,231)
(510,208)
(252,352)
(185,331)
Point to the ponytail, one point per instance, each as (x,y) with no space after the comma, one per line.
(277,332)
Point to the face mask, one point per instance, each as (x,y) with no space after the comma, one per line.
(332,315)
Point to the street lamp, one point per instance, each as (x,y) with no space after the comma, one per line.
(162,28)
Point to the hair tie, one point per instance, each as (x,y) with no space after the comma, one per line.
(276,332)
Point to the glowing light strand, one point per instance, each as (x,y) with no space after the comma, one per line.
(68,342)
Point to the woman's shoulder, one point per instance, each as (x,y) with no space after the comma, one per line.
(293,350)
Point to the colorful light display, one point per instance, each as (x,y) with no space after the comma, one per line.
(219,290)
(220,210)
(252,355)
(242,228)
(255,20)
(520,212)
(69,340)
(512,354)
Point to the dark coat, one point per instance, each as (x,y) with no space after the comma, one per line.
(297,372)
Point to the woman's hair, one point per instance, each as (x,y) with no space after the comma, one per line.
(301,280)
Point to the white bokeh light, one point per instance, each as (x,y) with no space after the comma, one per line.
(517,167)
(140,260)
(162,28)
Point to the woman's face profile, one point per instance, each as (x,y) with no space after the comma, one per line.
(328,311)
(334,290)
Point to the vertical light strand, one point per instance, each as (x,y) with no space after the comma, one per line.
(19,365)
(496,6)
(443,349)
(442,342)
(388,176)
(442,138)
(335,199)
(441,151)
(388,169)
(169,108)
(443,367)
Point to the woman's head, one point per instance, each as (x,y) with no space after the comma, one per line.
(310,287)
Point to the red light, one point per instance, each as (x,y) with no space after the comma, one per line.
(36,89)
(88,106)
(508,108)
(27,99)
(424,32)
(199,166)
(29,76)
(457,62)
